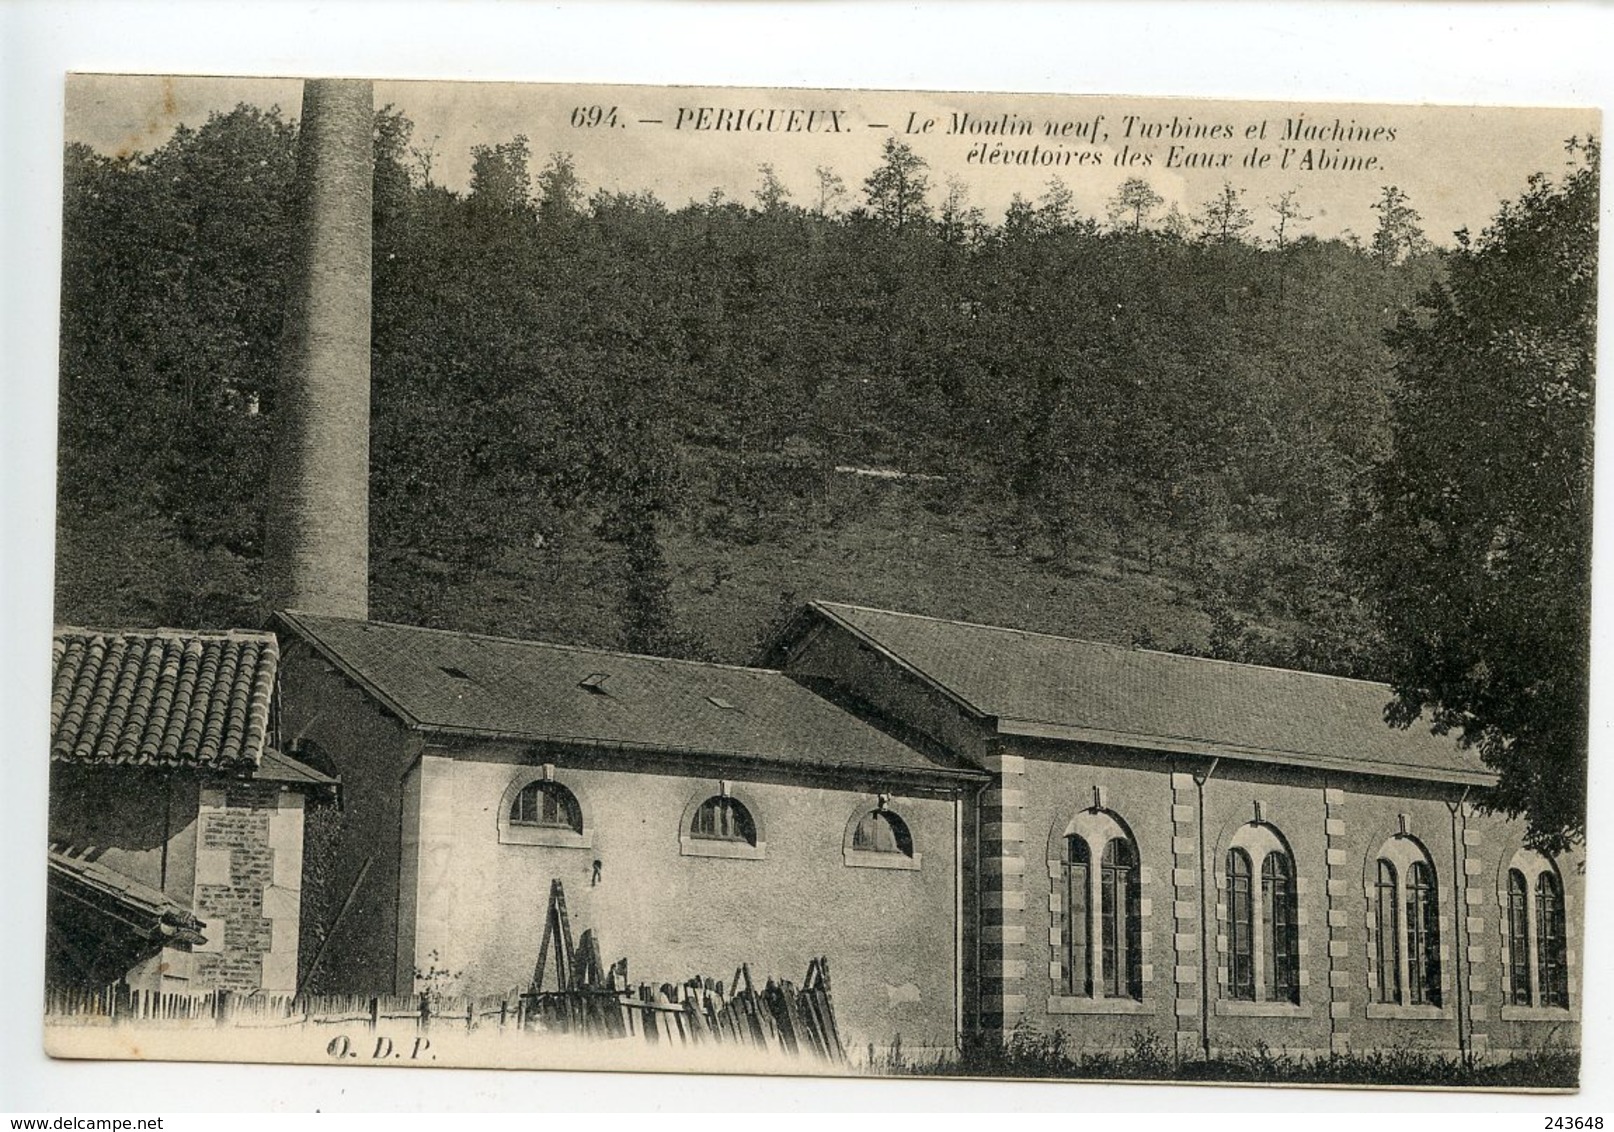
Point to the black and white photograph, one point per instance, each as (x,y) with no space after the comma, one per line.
(821,581)
(863,583)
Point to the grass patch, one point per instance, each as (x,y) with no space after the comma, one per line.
(1149,1058)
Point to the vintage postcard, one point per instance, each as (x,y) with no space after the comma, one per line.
(822,582)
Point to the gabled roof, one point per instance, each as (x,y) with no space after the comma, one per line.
(464,684)
(162,697)
(133,906)
(1058,687)
(277,766)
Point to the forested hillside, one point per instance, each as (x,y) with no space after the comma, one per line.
(604,418)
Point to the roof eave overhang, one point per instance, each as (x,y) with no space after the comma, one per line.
(797,628)
(167,922)
(913,670)
(1036,729)
(293,774)
(290,619)
(453,736)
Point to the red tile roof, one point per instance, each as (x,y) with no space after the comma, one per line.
(1058,687)
(162,697)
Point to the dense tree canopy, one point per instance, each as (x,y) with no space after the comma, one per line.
(600,384)
(1480,550)
(173,265)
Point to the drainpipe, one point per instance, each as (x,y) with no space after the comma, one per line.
(1459,918)
(168,833)
(1328,920)
(1204,915)
(958,920)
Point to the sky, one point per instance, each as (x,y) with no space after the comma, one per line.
(1456,164)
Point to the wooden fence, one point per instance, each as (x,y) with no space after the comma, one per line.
(780,1018)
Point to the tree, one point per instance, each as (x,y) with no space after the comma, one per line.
(1132,203)
(896,190)
(560,192)
(1019,218)
(643,492)
(771,193)
(501,183)
(1286,212)
(1137,399)
(960,221)
(423,159)
(1478,556)
(831,189)
(1056,208)
(1224,219)
(1399,234)
(1175,225)
(173,265)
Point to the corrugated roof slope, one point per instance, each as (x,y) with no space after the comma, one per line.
(162,697)
(465,683)
(1146,695)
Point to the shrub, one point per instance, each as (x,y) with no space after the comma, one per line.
(1034,1054)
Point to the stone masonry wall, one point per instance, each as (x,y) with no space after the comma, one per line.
(1335,826)
(248,886)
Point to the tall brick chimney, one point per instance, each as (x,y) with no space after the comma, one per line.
(316,552)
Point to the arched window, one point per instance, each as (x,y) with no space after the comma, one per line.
(1122,923)
(723,819)
(1518,938)
(879,838)
(1101,910)
(726,824)
(1240,926)
(1387,940)
(1406,935)
(546,805)
(1281,978)
(541,812)
(1551,950)
(1263,923)
(1077,956)
(881,831)
(1423,936)
(1537,934)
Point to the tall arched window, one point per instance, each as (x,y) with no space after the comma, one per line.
(1423,936)
(1386,939)
(1537,933)
(1101,910)
(1240,926)
(1518,938)
(1119,904)
(1406,925)
(1552,969)
(1263,917)
(1077,956)
(1282,935)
